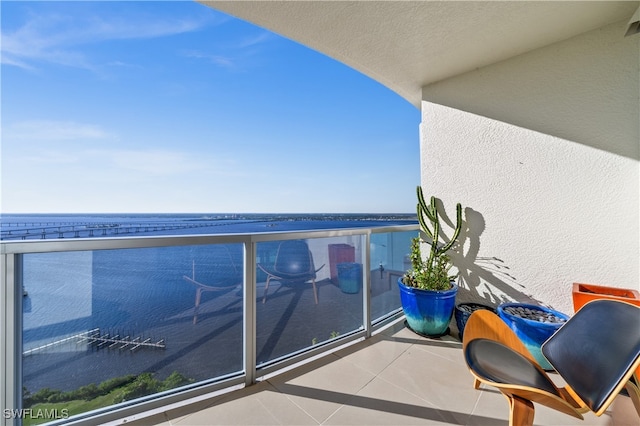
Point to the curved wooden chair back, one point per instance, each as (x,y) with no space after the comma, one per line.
(294,259)
(231,277)
(293,265)
(598,351)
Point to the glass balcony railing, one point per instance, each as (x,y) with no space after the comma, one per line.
(99,329)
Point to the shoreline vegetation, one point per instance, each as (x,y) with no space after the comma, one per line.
(91,397)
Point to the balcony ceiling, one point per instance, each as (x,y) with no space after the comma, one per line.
(406,45)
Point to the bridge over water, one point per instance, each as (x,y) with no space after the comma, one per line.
(51,230)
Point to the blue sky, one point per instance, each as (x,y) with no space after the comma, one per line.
(175,107)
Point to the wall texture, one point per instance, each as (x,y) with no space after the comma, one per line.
(542,150)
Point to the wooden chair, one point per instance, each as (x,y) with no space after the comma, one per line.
(596,353)
(228,277)
(293,266)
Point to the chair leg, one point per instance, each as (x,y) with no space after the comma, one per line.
(476,384)
(195,308)
(521,411)
(634,394)
(266,288)
(315,290)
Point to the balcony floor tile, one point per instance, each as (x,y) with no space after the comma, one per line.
(394,378)
(321,392)
(261,404)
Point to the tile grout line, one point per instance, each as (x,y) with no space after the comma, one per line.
(354,394)
(276,419)
(292,401)
(343,358)
(475,406)
(405,390)
(375,376)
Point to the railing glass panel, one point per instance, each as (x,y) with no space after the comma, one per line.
(389,259)
(108,326)
(314,293)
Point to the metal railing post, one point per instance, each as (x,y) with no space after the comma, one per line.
(4,346)
(10,353)
(366,288)
(249,303)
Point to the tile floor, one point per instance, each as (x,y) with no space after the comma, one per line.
(394,378)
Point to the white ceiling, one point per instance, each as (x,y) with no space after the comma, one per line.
(406,45)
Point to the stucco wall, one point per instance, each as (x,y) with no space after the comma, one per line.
(543,152)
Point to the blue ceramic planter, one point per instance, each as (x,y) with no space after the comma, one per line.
(532,333)
(428,312)
(463,312)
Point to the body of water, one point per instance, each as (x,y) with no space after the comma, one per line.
(48,226)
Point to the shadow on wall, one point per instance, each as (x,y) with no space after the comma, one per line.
(485,280)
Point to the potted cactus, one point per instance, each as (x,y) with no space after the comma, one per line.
(427,290)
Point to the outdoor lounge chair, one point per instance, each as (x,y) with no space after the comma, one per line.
(596,353)
(225,280)
(293,265)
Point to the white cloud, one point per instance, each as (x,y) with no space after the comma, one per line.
(220,60)
(57,38)
(55,158)
(50,130)
(36,143)
(8,60)
(236,53)
(254,40)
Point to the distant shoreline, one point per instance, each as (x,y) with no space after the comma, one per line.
(42,226)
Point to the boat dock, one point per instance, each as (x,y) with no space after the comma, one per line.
(94,338)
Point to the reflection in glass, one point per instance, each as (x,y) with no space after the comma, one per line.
(389,260)
(288,318)
(127,323)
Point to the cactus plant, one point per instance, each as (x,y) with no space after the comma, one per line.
(432,273)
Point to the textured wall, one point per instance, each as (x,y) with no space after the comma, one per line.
(543,151)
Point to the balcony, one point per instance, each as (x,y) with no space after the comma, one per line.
(394,378)
(79,314)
